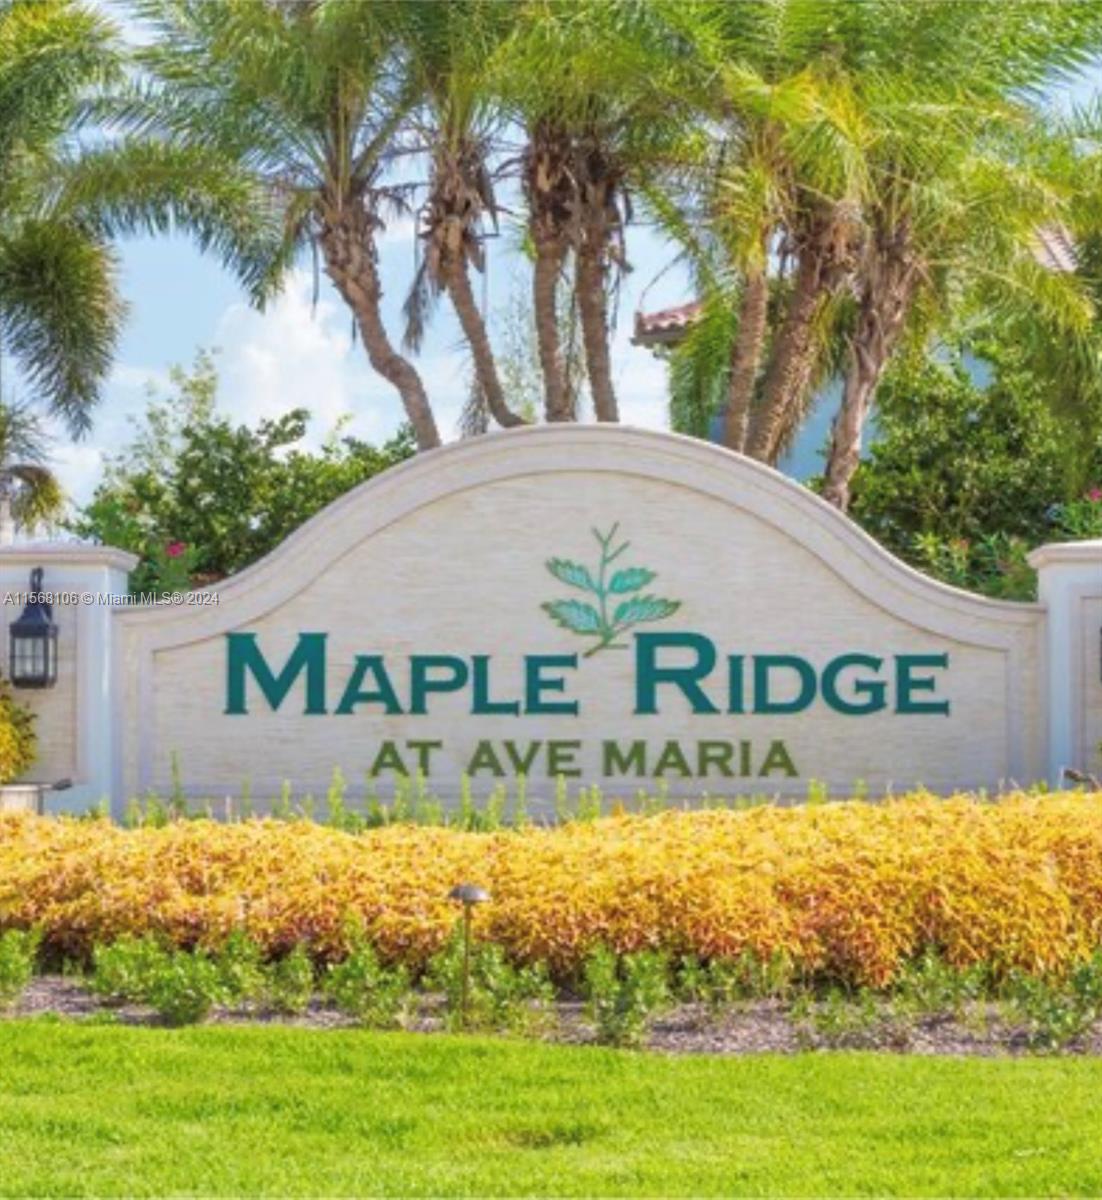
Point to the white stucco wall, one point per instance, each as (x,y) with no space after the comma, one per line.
(1070,587)
(76,716)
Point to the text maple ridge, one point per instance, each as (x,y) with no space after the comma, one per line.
(670,668)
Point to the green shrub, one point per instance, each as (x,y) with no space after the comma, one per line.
(289,984)
(123,971)
(181,986)
(363,988)
(929,986)
(18,951)
(625,994)
(969,469)
(1057,1013)
(690,980)
(18,740)
(845,1020)
(185,448)
(185,987)
(241,969)
(501,996)
(1085,983)
(722,982)
(1080,518)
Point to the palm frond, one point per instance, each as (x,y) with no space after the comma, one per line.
(60,315)
(52,53)
(39,495)
(418,306)
(699,367)
(140,185)
(23,434)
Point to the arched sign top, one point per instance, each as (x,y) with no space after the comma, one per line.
(796,513)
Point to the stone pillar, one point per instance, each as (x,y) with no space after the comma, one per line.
(76,717)
(1070,588)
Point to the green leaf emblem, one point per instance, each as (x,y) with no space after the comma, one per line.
(644,608)
(574,615)
(571,573)
(630,580)
(593,620)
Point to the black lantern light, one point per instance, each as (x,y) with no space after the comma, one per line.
(32,651)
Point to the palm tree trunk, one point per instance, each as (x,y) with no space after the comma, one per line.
(550,193)
(350,263)
(845,435)
(550,255)
(593,310)
(745,359)
(790,361)
(458,284)
(885,302)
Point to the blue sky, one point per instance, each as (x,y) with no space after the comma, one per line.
(296,353)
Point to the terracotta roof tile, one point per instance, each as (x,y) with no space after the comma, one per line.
(667,325)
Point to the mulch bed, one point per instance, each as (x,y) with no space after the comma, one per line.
(765,1026)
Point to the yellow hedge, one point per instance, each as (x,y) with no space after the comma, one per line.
(850,889)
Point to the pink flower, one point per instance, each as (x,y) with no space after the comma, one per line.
(175,549)
(1095,494)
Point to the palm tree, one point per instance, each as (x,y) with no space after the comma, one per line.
(29,490)
(60,313)
(547,183)
(597,89)
(959,189)
(61,202)
(817,238)
(779,192)
(306,100)
(450,44)
(961,238)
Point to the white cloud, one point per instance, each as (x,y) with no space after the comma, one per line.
(137,379)
(79,466)
(296,354)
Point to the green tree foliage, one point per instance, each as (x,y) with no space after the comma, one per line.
(844,178)
(198,497)
(968,474)
(18,740)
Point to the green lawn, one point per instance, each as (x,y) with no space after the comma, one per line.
(103,1110)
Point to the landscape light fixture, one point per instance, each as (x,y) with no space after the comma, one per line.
(467,894)
(32,647)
